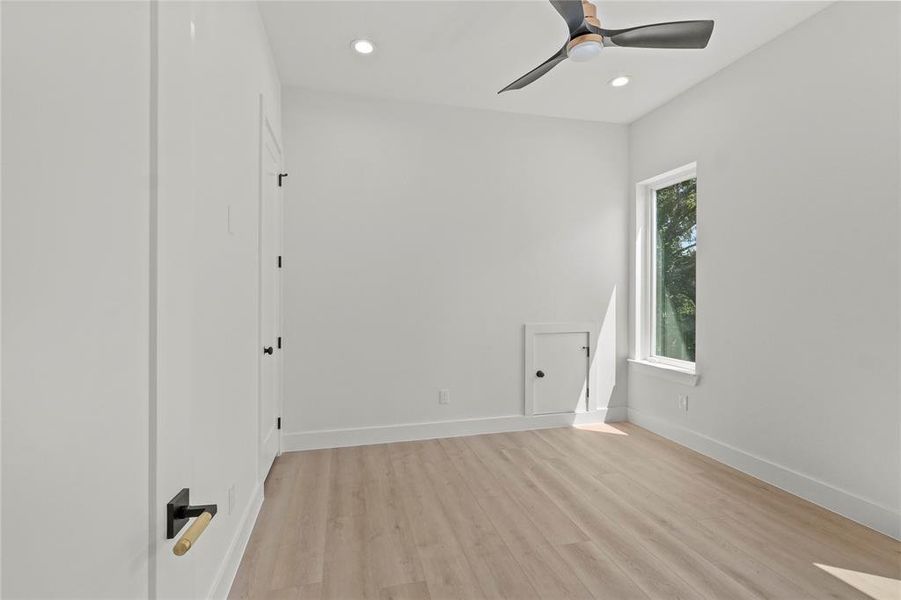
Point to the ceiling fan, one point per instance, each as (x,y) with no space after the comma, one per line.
(587,37)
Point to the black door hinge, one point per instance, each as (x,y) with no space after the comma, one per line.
(280,177)
(278,423)
(279,262)
(279,343)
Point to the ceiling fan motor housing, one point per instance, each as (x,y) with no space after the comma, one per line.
(578,41)
(591,17)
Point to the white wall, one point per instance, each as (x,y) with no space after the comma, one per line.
(798,290)
(418,241)
(215,65)
(75,112)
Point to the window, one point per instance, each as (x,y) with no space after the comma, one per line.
(667,234)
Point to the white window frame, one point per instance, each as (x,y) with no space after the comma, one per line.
(645,283)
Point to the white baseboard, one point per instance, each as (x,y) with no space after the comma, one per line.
(876,516)
(363,436)
(226,576)
(617,413)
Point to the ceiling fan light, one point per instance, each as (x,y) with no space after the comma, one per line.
(585,51)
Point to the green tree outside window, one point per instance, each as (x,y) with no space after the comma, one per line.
(675,270)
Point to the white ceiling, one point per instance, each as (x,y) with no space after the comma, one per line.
(461,52)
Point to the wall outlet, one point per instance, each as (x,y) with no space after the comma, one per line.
(683,402)
(231,498)
(443,396)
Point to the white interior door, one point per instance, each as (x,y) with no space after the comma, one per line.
(270,294)
(560,374)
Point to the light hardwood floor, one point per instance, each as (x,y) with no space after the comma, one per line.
(611,512)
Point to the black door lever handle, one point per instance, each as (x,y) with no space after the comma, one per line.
(267,350)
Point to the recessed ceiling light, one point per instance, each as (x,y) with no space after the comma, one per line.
(619,81)
(363,46)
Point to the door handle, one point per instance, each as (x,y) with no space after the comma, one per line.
(187,541)
(267,350)
(539,374)
(179,511)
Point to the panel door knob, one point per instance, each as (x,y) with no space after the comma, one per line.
(539,374)
(267,350)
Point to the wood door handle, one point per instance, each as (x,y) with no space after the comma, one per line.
(187,541)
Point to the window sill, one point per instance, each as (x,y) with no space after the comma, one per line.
(668,372)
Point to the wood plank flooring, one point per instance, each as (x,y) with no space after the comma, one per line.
(609,511)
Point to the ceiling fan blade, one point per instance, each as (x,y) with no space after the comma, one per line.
(537,72)
(680,34)
(571,11)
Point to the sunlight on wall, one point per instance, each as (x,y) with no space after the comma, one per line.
(603,360)
(874,586)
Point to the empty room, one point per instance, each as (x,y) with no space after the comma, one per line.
(450,299)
